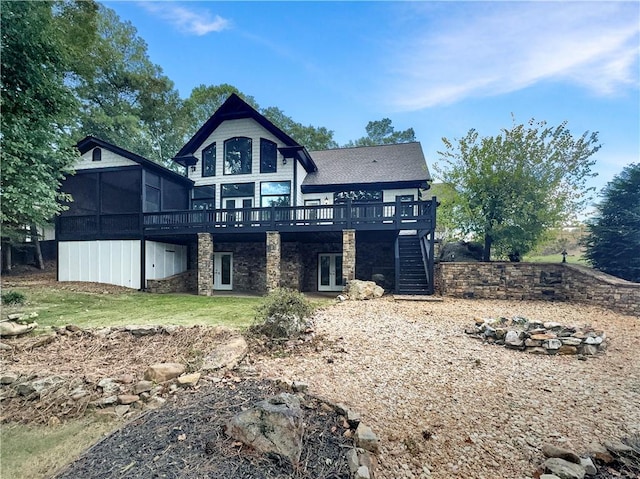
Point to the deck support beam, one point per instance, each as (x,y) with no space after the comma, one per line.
(273,260)
(348,255)
(205,264)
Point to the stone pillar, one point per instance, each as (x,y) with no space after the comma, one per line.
(273,260)
(205,264)
(348,255)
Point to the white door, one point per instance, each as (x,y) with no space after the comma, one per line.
(330,272)
(222,271)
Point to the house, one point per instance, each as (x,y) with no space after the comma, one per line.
(254,210)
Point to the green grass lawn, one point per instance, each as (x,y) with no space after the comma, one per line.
(91,310)
(556,258)
(28,452)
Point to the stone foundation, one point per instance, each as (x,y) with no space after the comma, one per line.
(186,282)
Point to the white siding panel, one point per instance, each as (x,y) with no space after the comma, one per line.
(163,259)
(251,129)
(109,159)
(112,262)
(390,195)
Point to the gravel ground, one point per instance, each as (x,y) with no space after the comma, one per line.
(445,405)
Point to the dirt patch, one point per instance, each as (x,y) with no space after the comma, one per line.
(186,439)
(82,358)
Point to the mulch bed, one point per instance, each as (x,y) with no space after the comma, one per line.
(186,439)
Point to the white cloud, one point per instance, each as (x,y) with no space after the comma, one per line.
(187,20)
(486,49)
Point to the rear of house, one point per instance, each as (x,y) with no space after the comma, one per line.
(254,210)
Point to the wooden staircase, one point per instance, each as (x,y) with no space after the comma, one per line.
(411,277)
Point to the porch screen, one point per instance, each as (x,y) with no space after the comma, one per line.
(83,188)
(120,192)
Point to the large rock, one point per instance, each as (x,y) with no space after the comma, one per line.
(549,450)
(564,469)
(366,439)
(461,251)
(162,372)
(359,290)
(11,328)
(274,425)
(227,355)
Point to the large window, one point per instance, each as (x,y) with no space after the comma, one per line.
(268,156)
(96,154)
(275,193)
(209,160)
(203,197)
(237,156)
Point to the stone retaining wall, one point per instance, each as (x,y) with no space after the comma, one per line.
(536,281)
(186,282)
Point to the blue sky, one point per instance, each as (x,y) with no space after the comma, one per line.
(439,67)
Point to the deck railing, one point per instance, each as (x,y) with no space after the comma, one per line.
(349,215)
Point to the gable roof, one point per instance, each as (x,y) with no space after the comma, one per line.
(235,108)
(400,165)
(91,142)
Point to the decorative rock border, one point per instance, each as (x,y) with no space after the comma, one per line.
(536,337)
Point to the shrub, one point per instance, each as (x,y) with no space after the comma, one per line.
(13,297)
(283,314)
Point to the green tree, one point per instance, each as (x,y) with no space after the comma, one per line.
(125,98)
(382,132)
(515,186)
(613,239)
(311,137)
(37,110)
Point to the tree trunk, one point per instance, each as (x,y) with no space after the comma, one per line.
(486,254)
(6,256)
(37,251)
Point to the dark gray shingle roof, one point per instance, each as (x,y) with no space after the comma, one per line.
(403,162)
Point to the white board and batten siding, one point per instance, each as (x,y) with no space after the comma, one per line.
(163,259)
(112,262)
(109,160)
(118,261)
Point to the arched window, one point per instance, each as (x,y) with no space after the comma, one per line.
(209,160)
(268,156)
(237,156)
(96,155)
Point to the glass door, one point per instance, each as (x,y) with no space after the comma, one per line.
(222,271)
(330,272)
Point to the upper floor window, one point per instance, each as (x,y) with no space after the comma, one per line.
(275,193)
(209,160)
(268,156)
(237,156)
(203,197)
(96,155)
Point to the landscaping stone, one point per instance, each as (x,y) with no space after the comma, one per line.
(589,466)
(538,338)
(273,425)
(126,399)
(564,469)
(601,453)
(362,473)
(8,378)
(11,328)
(145,330)
(227,355)
(109,385)
(189,380)
(549,450)
(366,439)
(162,372)
(361,290)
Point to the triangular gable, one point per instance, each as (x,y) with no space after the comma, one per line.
(235,108)
(90,142)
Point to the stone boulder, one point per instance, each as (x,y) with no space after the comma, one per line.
(359,290)
(162,372)
(461,251)
(11,328)
(274,425)
(226,355)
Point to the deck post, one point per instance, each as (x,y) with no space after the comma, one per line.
(348,256)
(273,260)
(205,264)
